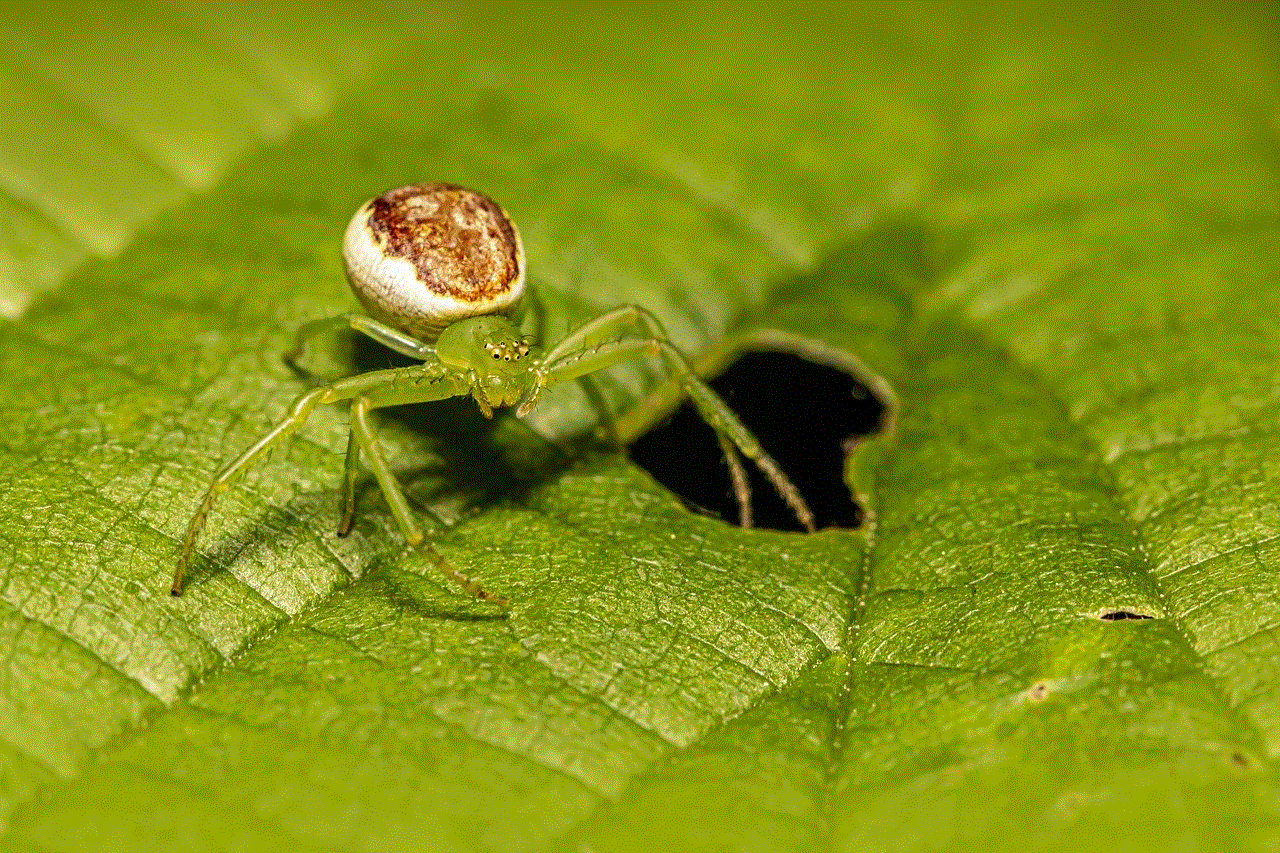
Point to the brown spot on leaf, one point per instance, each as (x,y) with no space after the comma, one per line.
(461,243)
(1038,692)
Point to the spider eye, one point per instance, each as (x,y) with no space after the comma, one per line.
(496,355)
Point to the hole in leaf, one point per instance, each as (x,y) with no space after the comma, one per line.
(1122,616)
(802,412)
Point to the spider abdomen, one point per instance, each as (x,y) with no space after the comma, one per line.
(424,256)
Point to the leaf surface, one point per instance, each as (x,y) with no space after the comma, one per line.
(1053,237)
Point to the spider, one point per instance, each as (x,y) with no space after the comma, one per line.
(438,268)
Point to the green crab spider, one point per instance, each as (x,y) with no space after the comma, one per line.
(438,267)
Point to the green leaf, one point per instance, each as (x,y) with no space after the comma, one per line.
(1052,237)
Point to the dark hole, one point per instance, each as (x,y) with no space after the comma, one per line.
(1122,615)
(802,413)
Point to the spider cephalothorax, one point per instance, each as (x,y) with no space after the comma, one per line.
(502,367)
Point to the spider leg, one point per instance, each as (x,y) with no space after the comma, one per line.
(716,412)
(608,423)
(576,364)
(350,470)
(363,432)
(390,338)
(418,384)
(298,414)
(596,345)
(608,326)
(737,476)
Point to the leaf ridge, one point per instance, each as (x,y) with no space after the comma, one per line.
(452,724)
(1260,428)
(96,121)
(17,610)
(22,203)
(275,827)
(782,248)
(326,546)
(590,535)
(843,705)
(602,700)
(9,743)
(1248,546)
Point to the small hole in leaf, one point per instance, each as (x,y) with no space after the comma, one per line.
(1122,616)
(802,412)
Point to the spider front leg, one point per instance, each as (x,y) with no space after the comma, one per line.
(418,384)
(350,471)
(364,434)
(392,339)
(298,414)
(599,344)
